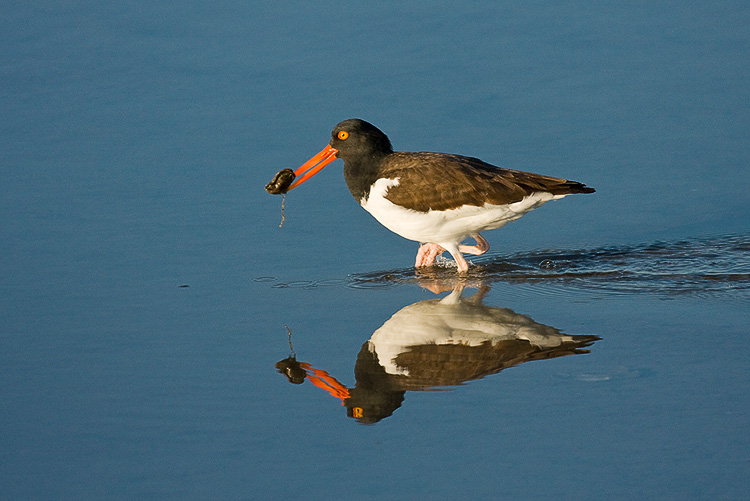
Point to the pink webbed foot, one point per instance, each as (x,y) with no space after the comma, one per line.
(427,254)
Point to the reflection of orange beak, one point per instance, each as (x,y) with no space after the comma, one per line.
(314,165)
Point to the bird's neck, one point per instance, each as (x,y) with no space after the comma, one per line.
(361,173)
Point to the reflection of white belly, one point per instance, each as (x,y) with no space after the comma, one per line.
(449,226)
(439,322)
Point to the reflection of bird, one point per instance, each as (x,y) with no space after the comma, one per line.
(437,343)
(433,198)
(448,341)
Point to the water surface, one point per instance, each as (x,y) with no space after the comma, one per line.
(147,293)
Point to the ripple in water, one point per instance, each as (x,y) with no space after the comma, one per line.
(696,267)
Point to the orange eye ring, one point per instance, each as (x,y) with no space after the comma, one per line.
(343,135)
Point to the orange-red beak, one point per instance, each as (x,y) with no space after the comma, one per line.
(314,165)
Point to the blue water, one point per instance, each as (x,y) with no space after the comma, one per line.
(147,293)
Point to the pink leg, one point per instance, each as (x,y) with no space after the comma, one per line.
(480,248)
(461,263)
(427,254)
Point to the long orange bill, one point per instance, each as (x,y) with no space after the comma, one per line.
(322,379)
(314,165)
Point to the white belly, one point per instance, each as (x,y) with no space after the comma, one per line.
(449,226)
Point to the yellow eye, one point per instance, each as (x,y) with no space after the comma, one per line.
(343,135)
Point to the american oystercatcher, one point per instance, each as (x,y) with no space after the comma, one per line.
(436,343)
(437,199)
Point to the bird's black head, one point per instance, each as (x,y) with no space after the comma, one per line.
(357,140)
(361,146)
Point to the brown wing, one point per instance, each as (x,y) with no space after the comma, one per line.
(439,181)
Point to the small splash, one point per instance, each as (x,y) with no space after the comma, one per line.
(547,264)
